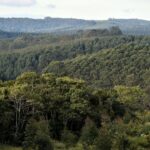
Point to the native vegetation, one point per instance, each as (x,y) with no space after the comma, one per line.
(85,91)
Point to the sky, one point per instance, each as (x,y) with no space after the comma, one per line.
(83,9)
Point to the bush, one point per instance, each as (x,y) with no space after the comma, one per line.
(69,138)
(89,132)
(37,136)
(104,141)
(43,142)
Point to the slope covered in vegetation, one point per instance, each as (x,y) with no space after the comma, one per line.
(128,64)
(102,58)
(36,52)
(85,91)
(36,110)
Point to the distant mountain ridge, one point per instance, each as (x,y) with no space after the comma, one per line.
(49,25)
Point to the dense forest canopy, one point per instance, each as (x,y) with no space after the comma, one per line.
(88,90)
(104,58)
(126,64)
(38,110)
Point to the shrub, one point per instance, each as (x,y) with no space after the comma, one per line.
(89,132)
(43,142)
(104,141)
(37,136)
(69,138)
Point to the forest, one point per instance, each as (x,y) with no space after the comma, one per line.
(88,90)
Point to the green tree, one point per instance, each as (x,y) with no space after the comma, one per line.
(89,133)
(104,140)
(69,138)
(37,136)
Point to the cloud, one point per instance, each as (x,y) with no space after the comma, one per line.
(128,10)
(17,3)
(51,6)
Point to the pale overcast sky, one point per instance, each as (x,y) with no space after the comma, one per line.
(85,9)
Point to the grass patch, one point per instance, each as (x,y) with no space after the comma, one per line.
(4,147)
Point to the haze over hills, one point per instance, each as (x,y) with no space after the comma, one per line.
(55,25)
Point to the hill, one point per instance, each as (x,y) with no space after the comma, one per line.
(103,60)
(62,25)
(42,25)
(86,90)
(128,64)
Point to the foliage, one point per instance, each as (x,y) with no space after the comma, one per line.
(98,97)
(104,140)
(5,147)
(68,138)
(38,109)
(37,136)
(103,61)
(89,133)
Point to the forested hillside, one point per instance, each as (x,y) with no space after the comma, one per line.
(88,90)
(36,52)
(103,58)
(127,64)
(62,25)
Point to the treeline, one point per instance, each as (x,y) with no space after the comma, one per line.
(103,61)
(12,41)
(49,112)
(4,34)
(100,32)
